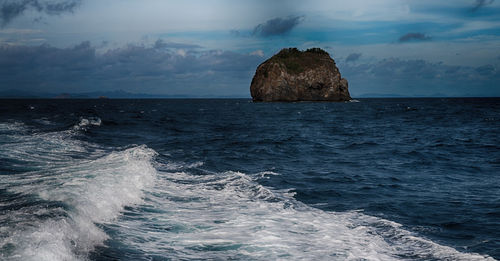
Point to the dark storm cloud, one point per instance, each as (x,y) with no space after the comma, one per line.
(420,77)
(414,37)
(133,68)
(9,9)
(352,57)
(147,69)
(277,26)
(481,3)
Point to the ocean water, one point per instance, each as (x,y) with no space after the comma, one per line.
(377,179)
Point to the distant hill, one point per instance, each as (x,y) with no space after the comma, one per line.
(12,93)
(380,95)
(393,95)
(116,94)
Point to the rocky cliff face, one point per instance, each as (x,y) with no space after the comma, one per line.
(293,75)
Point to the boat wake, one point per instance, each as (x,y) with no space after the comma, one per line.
(69,199)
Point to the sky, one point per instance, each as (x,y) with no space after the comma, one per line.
(211,48)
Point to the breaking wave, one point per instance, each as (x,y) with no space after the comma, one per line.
(55,210)
(75,196)
(85,123)
(229,215)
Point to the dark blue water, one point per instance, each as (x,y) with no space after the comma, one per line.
(378,179)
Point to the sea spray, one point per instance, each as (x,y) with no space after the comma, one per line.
(229,215)
(94,192)
(240,180)
(79,194)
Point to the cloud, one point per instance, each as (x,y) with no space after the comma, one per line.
(159,44)
(259,53)
(198,72)
(133,68)
(481,3)
(277,26)
(19,31)
(421,77)
(414,37)
(486,70)
(234,32)
(10,9)
(352,57)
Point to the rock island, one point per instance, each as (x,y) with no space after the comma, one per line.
(293,75)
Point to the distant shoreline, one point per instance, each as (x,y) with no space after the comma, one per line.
(234,98)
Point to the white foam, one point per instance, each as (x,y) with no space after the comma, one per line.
(11,127)
(37,150)
(87,122)
(43,121)
(266,174)
(211,216)
(95,191)
(229,215)
(181,165)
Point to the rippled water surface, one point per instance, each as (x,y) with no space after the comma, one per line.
(378,179)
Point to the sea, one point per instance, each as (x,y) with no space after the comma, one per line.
(230,179)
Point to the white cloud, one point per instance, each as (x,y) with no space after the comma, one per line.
(469,26)
(259,53)
(19,31)
(181,52)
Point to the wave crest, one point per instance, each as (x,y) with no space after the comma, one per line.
(229,215)
(85,123)
(94,191)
